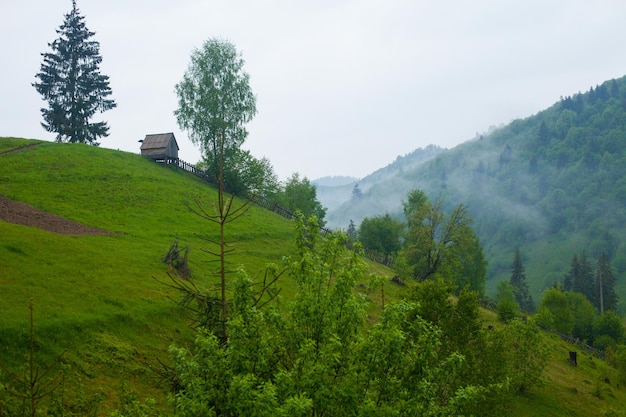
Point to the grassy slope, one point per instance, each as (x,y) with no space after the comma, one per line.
(96,297)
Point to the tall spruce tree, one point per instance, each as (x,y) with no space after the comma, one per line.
(580,277)
(518,281)
(606,298)
(570,277)
(71,83)
(584,282)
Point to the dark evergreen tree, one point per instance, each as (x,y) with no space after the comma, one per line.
(518,281)
(71,83)
(351,232)
(584,282)
(570,277)
(580,277)
(356,192)
(606,298)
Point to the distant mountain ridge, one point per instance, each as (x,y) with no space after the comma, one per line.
(555,178)
(333,193)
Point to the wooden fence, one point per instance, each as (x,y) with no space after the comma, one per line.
(256,199)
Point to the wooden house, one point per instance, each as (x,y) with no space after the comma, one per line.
(160,147)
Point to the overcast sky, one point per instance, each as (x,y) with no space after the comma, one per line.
(343,87)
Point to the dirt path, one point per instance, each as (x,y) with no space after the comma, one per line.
(21,213)
(18,149)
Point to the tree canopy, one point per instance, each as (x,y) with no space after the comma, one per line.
(71,82)
(215,102)
(298,194)
(436,243)
(382,234)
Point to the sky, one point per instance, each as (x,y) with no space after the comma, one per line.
(343,87)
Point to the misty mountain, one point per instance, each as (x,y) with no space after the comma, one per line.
(332,192)
(334,181)
(553,184)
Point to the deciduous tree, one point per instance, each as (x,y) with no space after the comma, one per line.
(381,234)
(433,239)
(215,102)
(298,194)
(71,82)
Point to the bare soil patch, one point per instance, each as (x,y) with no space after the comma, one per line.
(21,213)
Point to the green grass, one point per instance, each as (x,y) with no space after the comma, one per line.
(88,290)
(588,389)
(97,296)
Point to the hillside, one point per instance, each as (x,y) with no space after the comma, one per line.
(92,280)
(98,295)
(333,195)
(553,184)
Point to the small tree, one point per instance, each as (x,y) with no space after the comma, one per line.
(507,307)
(518,281)
(36,383)
(71,83)
(298,194)
(528,354)
(555,302)
(381,234)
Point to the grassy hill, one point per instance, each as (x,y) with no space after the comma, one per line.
(96,296)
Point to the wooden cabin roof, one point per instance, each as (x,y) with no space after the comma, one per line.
(158,141)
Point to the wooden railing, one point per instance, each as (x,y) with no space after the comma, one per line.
(255,198)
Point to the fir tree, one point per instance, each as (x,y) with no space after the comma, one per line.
(518,281)
(352,232)
(606,298)
(71,83)
(570,277)
(584,282)
(580,277)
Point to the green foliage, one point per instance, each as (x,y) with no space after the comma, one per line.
(609,324)
(583,314)
(88,286)
(214,103)
(555,302)
(527,354)
(71,83)
(507,307)
(34,384)
(245,174)
(440,244)
(559,189)
(318,358)
(469,266)
(298,194)
(381,234)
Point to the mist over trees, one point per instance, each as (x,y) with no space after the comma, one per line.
(556,176)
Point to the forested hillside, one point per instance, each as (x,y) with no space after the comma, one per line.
(553,184)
